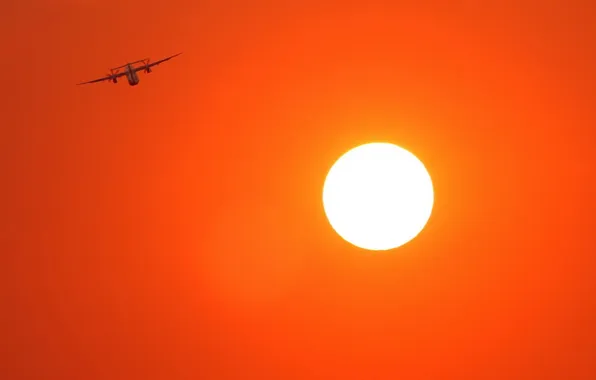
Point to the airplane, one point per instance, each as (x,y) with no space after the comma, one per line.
(130,71)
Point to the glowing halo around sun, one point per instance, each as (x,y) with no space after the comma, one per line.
(378,196)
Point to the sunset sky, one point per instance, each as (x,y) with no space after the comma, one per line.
(175,230)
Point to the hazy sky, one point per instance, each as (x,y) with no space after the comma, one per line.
(175,230)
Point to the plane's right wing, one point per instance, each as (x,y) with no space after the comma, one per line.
(109,77)
(156,62)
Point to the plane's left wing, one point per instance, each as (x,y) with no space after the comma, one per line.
(109,77)
(140,68)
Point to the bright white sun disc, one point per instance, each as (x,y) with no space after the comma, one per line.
(378,196)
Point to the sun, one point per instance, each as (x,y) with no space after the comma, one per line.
(378,196)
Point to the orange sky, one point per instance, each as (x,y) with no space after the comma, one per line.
(175,230)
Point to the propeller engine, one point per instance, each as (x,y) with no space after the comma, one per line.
(112,76)
(147,68)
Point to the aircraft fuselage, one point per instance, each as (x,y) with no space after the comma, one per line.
(131,75)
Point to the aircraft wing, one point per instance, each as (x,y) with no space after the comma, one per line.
(109,77)
(140,68)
